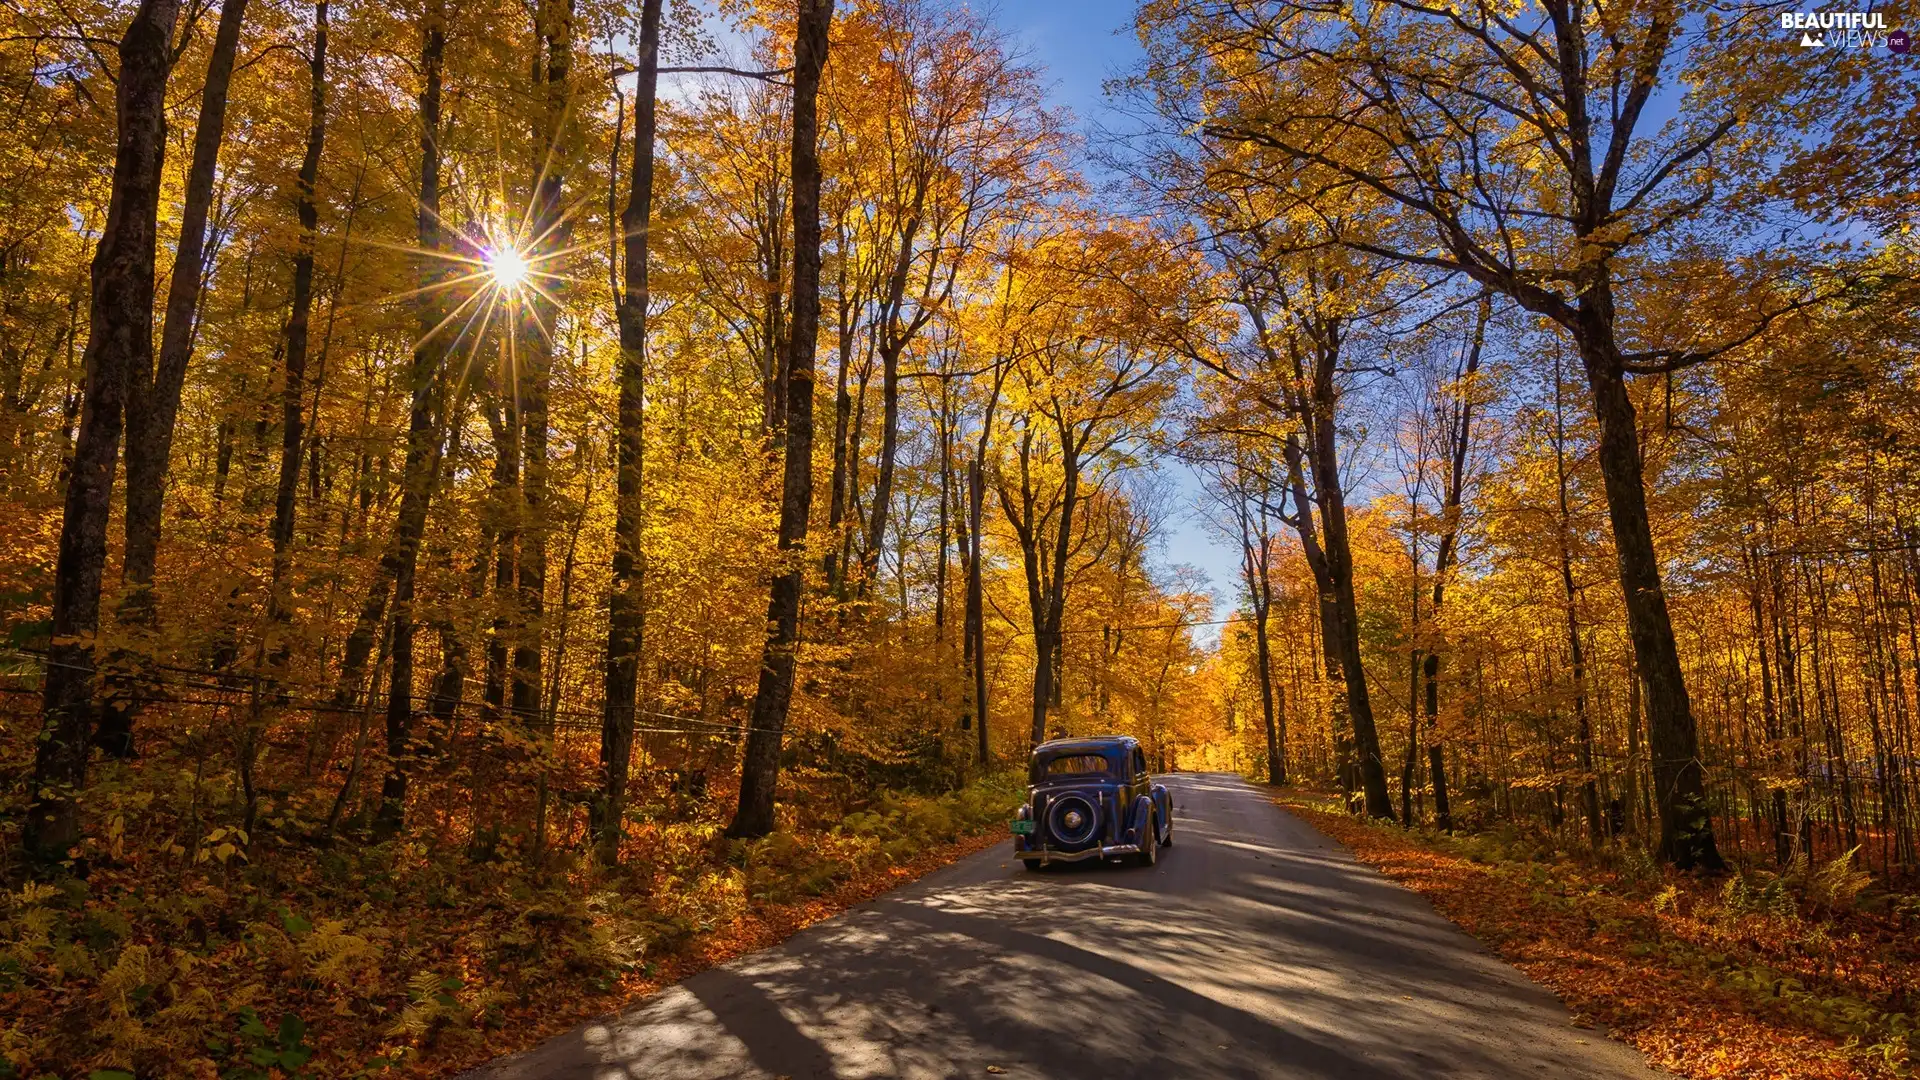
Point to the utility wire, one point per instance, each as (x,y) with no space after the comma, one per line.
(580,719)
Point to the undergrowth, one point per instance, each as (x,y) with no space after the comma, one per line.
(242,957)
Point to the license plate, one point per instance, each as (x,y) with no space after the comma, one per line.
(1022,828)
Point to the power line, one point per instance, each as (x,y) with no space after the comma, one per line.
(580,719)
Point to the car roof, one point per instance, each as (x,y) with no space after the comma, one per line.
(1095,744)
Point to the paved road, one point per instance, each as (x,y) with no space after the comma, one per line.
(1257,948)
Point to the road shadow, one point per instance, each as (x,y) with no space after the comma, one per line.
(1253,949)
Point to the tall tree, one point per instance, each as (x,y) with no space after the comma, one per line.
(1250,497)
(626,602)
(545,240)
(1459,440)
(293,390)
(1087,392)
(1536,178)
(153,398)
(1576,655)
(119,344)
(422,466)
(1308,359)
(760,767)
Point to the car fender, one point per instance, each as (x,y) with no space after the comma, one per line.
(1137,820)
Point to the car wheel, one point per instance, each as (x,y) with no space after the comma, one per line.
(1150,851)
(1036,866)
(1167,841)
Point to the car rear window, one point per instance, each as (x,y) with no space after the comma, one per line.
(1076,763)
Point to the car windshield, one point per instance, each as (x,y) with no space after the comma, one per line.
(1077,763)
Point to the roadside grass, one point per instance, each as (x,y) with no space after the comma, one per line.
(1797,976)
(269,960)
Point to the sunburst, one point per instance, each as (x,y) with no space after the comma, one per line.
(499,268)
(507,266)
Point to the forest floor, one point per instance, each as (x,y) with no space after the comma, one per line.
(764,926)
(267,958)
(1797,977)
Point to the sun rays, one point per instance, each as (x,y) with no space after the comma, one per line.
(508,268)
(493,273)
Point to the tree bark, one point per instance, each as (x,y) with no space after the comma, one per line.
(150,418)
(293,393)
(975,628)
(119,345)
(1048,618)
(838,497)
(760,767)
(1256,570)
(1339,557)
(893,339)
(546,240)
(1263,655)
(626,603)
(1686,830)
(1045,565)
(1583,733)
(1315,404)
(1461,437)
(153,397)
(402,554)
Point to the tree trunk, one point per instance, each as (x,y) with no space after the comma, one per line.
(1679,782)
(503,423)
(1583,734)
(421,468)
(153,400)
(626,602)
(1461,440)
(293,394)
(1411,761)
(1323,458)
(119,343)
(975,616)
(975,628)
(1047,619)
(944,436)
(883,472)
(547,240)
(838,497)
(1263,655)
(892,339)
(1256,568)
(760,768)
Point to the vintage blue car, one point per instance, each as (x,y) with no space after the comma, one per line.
(1091,799)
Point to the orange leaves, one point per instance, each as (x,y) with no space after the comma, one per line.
(1671,978)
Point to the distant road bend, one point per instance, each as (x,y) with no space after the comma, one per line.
(1256,948)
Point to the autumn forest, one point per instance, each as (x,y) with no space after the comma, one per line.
(504,500)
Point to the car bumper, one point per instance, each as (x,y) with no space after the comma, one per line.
(1047,855)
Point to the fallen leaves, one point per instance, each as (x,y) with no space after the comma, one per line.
(1647,975)
(761,927)
(406,961)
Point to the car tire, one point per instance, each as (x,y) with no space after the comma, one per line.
(1150,851)
(1036,866)
(1168,842)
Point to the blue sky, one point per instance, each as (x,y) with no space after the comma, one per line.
(1078,44)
